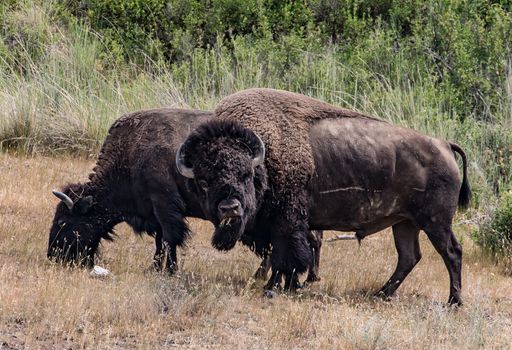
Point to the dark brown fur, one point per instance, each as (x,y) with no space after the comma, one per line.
(134,181)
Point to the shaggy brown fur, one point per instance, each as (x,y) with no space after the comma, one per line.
(283,121)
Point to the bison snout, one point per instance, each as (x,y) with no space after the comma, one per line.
(229,208)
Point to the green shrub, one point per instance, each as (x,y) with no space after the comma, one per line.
(495,235)
(166,30)
(26,32)
(464,45)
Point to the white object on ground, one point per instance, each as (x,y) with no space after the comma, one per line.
(99,271)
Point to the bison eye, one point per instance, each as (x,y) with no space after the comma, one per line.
(203,185)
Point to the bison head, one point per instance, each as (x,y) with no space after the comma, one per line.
(225,163)
(77,227)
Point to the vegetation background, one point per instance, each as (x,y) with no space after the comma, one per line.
(68,68)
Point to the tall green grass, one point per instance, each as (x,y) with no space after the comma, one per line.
(66,99)
(60,91)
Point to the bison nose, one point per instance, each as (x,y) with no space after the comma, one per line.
(229,207)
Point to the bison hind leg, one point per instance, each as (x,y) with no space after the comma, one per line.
(407,246)
(448,247)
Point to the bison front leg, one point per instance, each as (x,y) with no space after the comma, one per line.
(262,271)
(164,254)
(291,255)
(315,241)
(174,228)
(274,281)
(158,258)
(172,259)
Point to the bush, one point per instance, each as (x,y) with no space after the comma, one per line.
(495,235)
(463,45)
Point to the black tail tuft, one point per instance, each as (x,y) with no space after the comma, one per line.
(464,194)
(465,190)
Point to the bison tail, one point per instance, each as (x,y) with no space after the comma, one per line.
(465,190)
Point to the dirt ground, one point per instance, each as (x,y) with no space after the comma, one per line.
(213,302)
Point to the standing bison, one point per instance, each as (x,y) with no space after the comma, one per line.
(135,181)
(274,164)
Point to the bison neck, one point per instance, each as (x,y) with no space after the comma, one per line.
(370,174)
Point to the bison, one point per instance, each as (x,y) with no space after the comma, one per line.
(132,182)
(272,165)
(135,181)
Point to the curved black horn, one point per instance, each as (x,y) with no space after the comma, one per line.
(63,197)
(260,156)
(182,168)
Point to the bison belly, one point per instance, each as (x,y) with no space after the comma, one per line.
(370,174)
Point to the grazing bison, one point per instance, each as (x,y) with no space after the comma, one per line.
(135,181)
(274,164)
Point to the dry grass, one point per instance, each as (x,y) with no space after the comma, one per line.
(213,302)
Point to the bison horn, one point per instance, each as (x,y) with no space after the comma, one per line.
(63,197)
(182,168)
(260,156)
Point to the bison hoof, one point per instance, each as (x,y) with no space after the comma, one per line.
(454,302)
(294,287)
(313,278)
(157,267)
(273,286)
(171,269)
(380,295)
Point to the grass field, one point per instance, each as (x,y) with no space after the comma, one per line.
(213,302)
(63,81)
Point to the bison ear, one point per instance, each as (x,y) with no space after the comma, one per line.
(83,205)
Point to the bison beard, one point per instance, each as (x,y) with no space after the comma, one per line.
(226,236)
